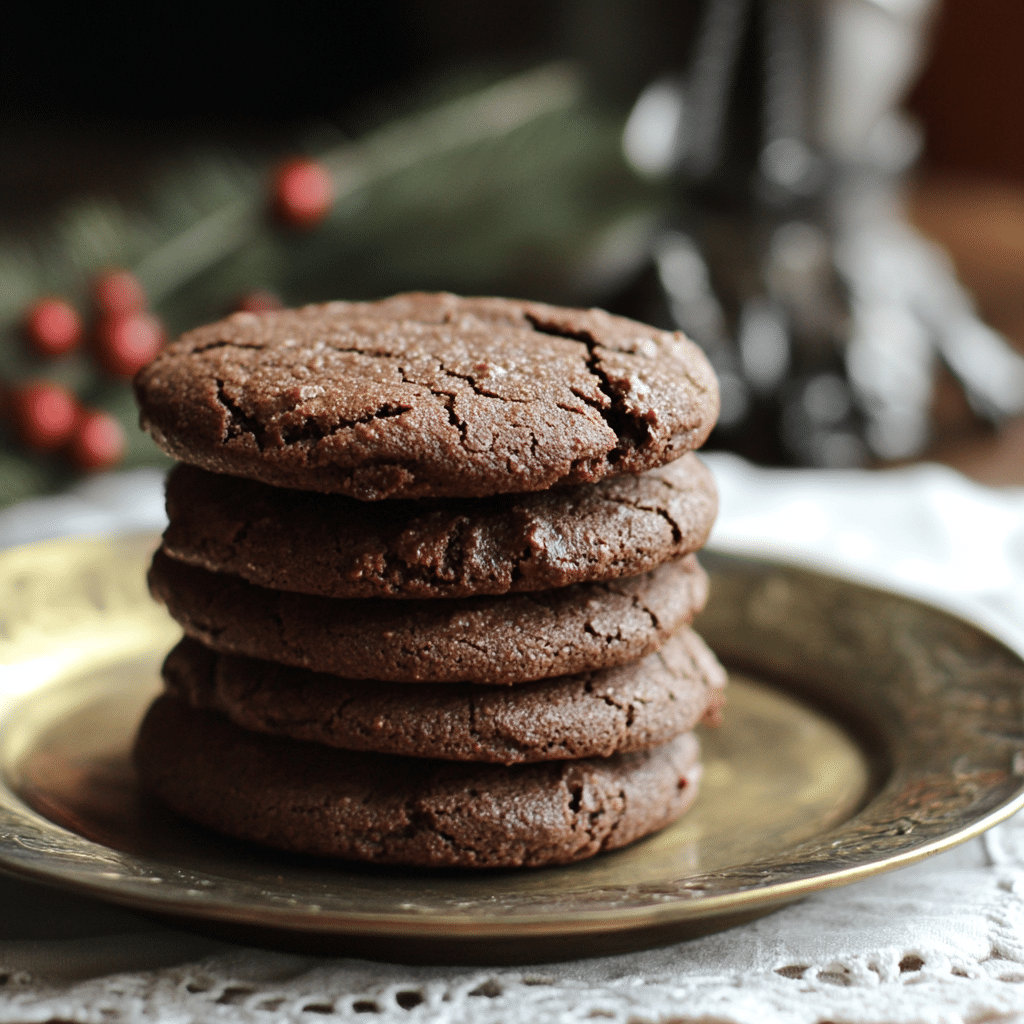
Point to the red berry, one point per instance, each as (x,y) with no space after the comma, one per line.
(98,442)
(119,293)
(45,415)
(258,302)
(54,327)
(125,344)
(303,192)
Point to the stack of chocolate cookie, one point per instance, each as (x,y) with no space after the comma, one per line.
(433,560)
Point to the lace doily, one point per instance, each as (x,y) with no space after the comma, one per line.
(942,941)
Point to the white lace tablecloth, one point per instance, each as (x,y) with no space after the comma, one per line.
(942,941)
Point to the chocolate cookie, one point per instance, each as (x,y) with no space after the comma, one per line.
(395,810)
(594,714)
(424,395)
(336,546)
(498,640)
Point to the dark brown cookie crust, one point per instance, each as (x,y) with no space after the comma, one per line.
(392,810)
(424,395)
(595,714)
(332,545)
(494,640)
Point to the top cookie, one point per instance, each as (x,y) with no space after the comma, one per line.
(428,395)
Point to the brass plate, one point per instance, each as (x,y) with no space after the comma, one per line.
(864,731)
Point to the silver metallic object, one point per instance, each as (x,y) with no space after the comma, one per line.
(790,259)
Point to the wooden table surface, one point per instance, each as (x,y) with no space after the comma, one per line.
(981,224)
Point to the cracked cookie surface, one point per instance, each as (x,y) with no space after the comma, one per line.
(490,640)
(335,546)
(428,395)
(594,714)
(314,799)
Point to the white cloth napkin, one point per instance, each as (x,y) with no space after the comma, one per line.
(942,941)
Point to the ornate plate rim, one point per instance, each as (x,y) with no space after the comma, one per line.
(693,898)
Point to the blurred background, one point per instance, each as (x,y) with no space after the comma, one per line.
(828,195)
